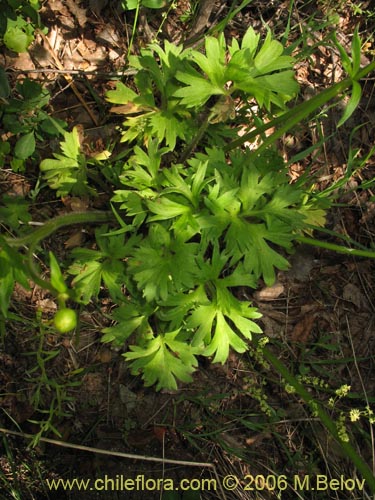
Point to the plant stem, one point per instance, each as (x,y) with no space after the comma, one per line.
(58,222)
(193,144)
(298,113)
(336,248)
(35,237)
(350,452)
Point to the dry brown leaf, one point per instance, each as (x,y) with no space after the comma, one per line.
(270,292)
(105,355)
(46,305)
(160,432)
(302,263)
(78,12)
(74,241)
(302,329)
(272,328)
(126,109)
(352,294)
(97,6)
(75,204)
(258,439)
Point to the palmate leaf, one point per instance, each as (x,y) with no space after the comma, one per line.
(283,206)
(266,73)
(136,127)
(161,269)
(314,213)
(163,125)
(171,57)
(277,88)
(181,209)
(200,88)
(269,55)
(130,317)
(197,91)
(262,211)
(166,126)
(142,169)
(67,172)
(250,242)
(249,41)
(121,94)
(214,62)
(90,275)
(162,360)
(87,281)
(107,265)
(164,208)
(158,116)
(71,146)
(218,324)
(175,309)
(132,203)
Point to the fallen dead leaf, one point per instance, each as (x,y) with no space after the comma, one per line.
(270,292)
(302,329)
(46,305)
(126,109)
(75,204)
(160,432)
(75,240)
(78,12)
(258,439)
(105,355)
(352,294)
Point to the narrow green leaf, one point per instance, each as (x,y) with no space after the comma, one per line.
(352,104)
(6,288)
(356,51)
(57,279)
(345,59)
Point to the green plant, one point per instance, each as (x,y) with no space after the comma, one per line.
(23,116)
(67,172)
(49,394)
(336,429)
(65,320)
(172,95)
(134,4)
(195,227)
(18,21)
(196,231)
(20,472)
